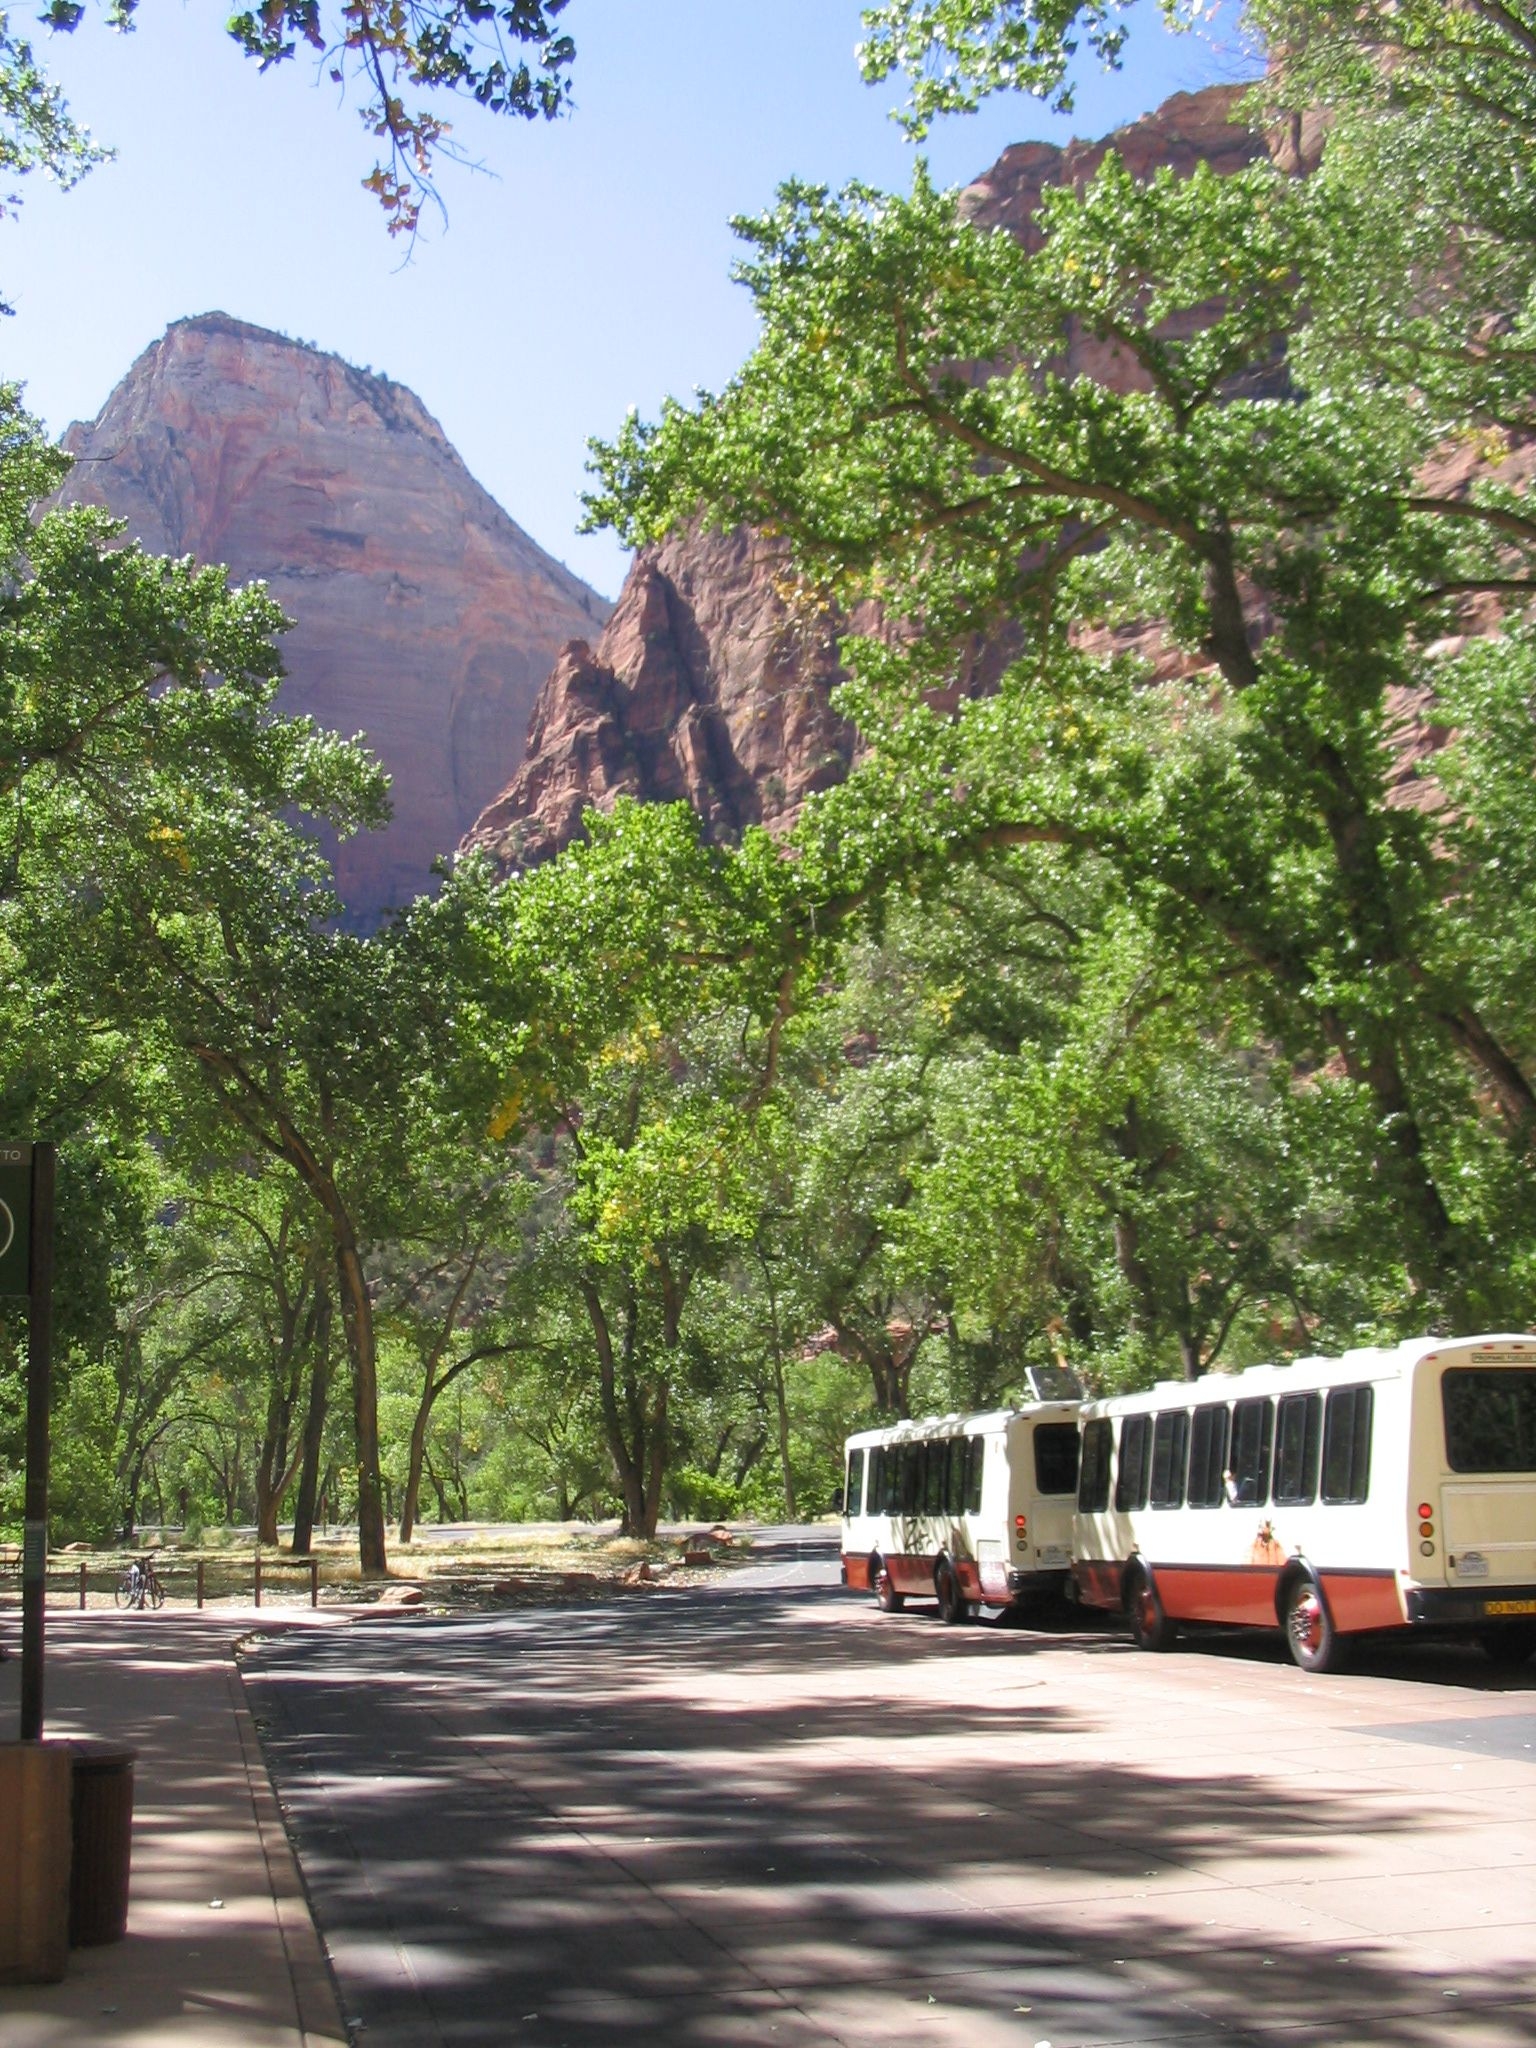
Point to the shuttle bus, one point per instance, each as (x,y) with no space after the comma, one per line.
(969,1510)
(1386,1489)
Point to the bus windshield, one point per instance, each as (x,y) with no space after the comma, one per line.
(1490,1418)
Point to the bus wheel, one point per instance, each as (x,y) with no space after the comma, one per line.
(1510,1646)
(953,1605)
(1310,1635)
(887,1599)
(1150,1626)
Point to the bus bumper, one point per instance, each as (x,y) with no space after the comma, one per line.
(1024,1585)
(1464,1606)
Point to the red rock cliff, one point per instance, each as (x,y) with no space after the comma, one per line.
(424,617)
(704,686)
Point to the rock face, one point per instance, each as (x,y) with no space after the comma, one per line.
(705,685)
(424,617)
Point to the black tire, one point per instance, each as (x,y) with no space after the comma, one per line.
(1150,1627)
(953,1605)
(156,1592)
(887,1599)
(1310,1635)
(1509,1644)
(122,1592)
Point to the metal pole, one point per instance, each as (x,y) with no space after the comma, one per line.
(34,1555)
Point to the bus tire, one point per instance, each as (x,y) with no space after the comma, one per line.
(1150,1627)
(887,1599)
(1310,1634)
(953,1605)
(1509,1645)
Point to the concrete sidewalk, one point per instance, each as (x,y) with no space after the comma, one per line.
(221,1951)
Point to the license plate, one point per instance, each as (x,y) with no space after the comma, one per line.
(1509,1607)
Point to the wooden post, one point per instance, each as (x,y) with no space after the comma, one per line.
(201,1568)
(314,1582)
(258,1578)
(82,1586)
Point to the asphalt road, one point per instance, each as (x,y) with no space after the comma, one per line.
(764,1813)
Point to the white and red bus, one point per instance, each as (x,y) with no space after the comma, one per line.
(969,1510)
(1334,1497)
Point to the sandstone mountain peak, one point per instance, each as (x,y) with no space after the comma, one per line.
(425,618)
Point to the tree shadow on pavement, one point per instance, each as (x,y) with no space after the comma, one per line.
(720,1822)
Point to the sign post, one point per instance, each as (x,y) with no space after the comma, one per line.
(26,1267)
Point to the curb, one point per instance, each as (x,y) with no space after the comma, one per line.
(316,1997)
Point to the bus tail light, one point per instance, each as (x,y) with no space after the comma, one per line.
(1426,1528)
(1425,1511)
(1021,1526)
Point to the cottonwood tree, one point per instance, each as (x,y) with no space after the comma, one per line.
(1306,483)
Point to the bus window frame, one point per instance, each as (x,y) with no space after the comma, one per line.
(1309,1405)
(1170,1443)
(1261,1477)
(1132,1499)
(1213,1419)
(1359,1481)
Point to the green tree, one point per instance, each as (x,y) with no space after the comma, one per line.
(1265,489)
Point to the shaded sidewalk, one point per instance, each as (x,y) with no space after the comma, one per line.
(221,1951)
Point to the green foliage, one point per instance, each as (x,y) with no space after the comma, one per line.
(82,1480)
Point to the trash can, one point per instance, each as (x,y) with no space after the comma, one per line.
(101,1833)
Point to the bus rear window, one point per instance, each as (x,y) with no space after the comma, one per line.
(1490,1418)
(1056,1457)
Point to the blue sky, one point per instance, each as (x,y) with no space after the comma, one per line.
(587,274)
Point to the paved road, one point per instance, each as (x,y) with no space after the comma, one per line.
(773,1816)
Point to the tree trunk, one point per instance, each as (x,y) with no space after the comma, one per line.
(780,1399)
(314,1430)
(628,1459)
(362,1347)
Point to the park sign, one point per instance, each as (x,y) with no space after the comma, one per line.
(15,1219)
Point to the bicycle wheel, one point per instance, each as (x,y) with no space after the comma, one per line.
(154,1591)
(122,1592)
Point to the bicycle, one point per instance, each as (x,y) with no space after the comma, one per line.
(139,1585)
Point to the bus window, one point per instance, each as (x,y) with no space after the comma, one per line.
(1490,1418)
(911,1477)
(1347,1445)
(973,1476)
(1135,1460)
(936,1479)
(954,1492)
(1056,1457)
(1253,1428)
(1298,1435)
(890,1477)
(1208,1455)
(853,1492)
(1170,1440)
(1093,1475)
